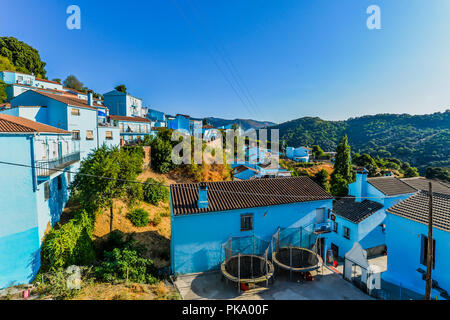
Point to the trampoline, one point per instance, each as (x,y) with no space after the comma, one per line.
(295,250)
(245,262)
(297,259)
(247,268)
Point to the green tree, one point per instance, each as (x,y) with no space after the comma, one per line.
(339,185)
(24,57)
(161,155)
(121,88)
(57,80)
(321,178)
(438,173)
(342,164)
(411,172)
(317,151)
(73,83)
(366,161)
(5,64)
(115,166)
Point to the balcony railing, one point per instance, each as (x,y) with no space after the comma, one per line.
(45,168)
(322,227)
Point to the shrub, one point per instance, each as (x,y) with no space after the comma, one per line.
(154,191)
(156,219)
(135,193)
(126,264)
(139,217)
(70,244)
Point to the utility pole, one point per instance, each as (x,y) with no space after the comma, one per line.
(430,253)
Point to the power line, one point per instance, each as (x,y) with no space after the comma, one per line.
(225,56)
(225,76)
(185,186)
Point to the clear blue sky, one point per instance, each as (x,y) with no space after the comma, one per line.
(297,58)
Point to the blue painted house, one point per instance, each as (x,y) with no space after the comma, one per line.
(195,127)
(407,241)
(180,122)
(300,154)
(123,104)
(362,218)
(203,216)
(32,196)
(132,128)
(86,120)
(157,117)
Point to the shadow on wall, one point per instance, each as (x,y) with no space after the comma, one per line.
(58,197)
(34,264)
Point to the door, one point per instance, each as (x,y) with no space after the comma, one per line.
(320,215)
(335,250)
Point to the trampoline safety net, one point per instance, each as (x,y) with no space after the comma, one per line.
(246,258)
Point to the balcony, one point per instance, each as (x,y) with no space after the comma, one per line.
(323,227)
(44,168)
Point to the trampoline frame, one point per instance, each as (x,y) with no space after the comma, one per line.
(269,270)
(306,269)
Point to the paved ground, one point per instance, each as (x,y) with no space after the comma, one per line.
(326,286)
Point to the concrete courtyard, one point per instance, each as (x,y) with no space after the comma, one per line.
(326,286)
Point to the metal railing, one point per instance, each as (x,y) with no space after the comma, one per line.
(322,227)
(45,168)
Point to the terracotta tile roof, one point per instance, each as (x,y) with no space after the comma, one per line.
(391,186)
(416,208)
(208,126)
(42,89)
(355,211)
(240,168)
(421,183)
(45,80)
(232,195)
(70,101)
(133,119)
(12,124)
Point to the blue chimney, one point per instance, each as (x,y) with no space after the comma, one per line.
(202,196)
(361,184)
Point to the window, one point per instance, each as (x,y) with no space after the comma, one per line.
(424,251)
(109,135)
(19,78)
(76,134)
(335,227)
(46,190)
(89,135)
(246,222)
(346,233)
(59,182)
(75,112)
(121,127)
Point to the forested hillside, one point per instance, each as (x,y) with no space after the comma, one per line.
(421,140)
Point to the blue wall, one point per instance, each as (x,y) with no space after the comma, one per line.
(404,243)
(196,238)
(24,212)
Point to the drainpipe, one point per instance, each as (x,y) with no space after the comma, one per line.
(33,164)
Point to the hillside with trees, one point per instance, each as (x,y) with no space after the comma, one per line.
(421,140)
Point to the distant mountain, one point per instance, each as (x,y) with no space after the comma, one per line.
(244,123)
(421,140)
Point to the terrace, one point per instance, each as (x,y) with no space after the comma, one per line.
(45,168)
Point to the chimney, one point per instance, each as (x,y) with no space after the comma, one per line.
(361,184)
(90,98)
(202,196)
